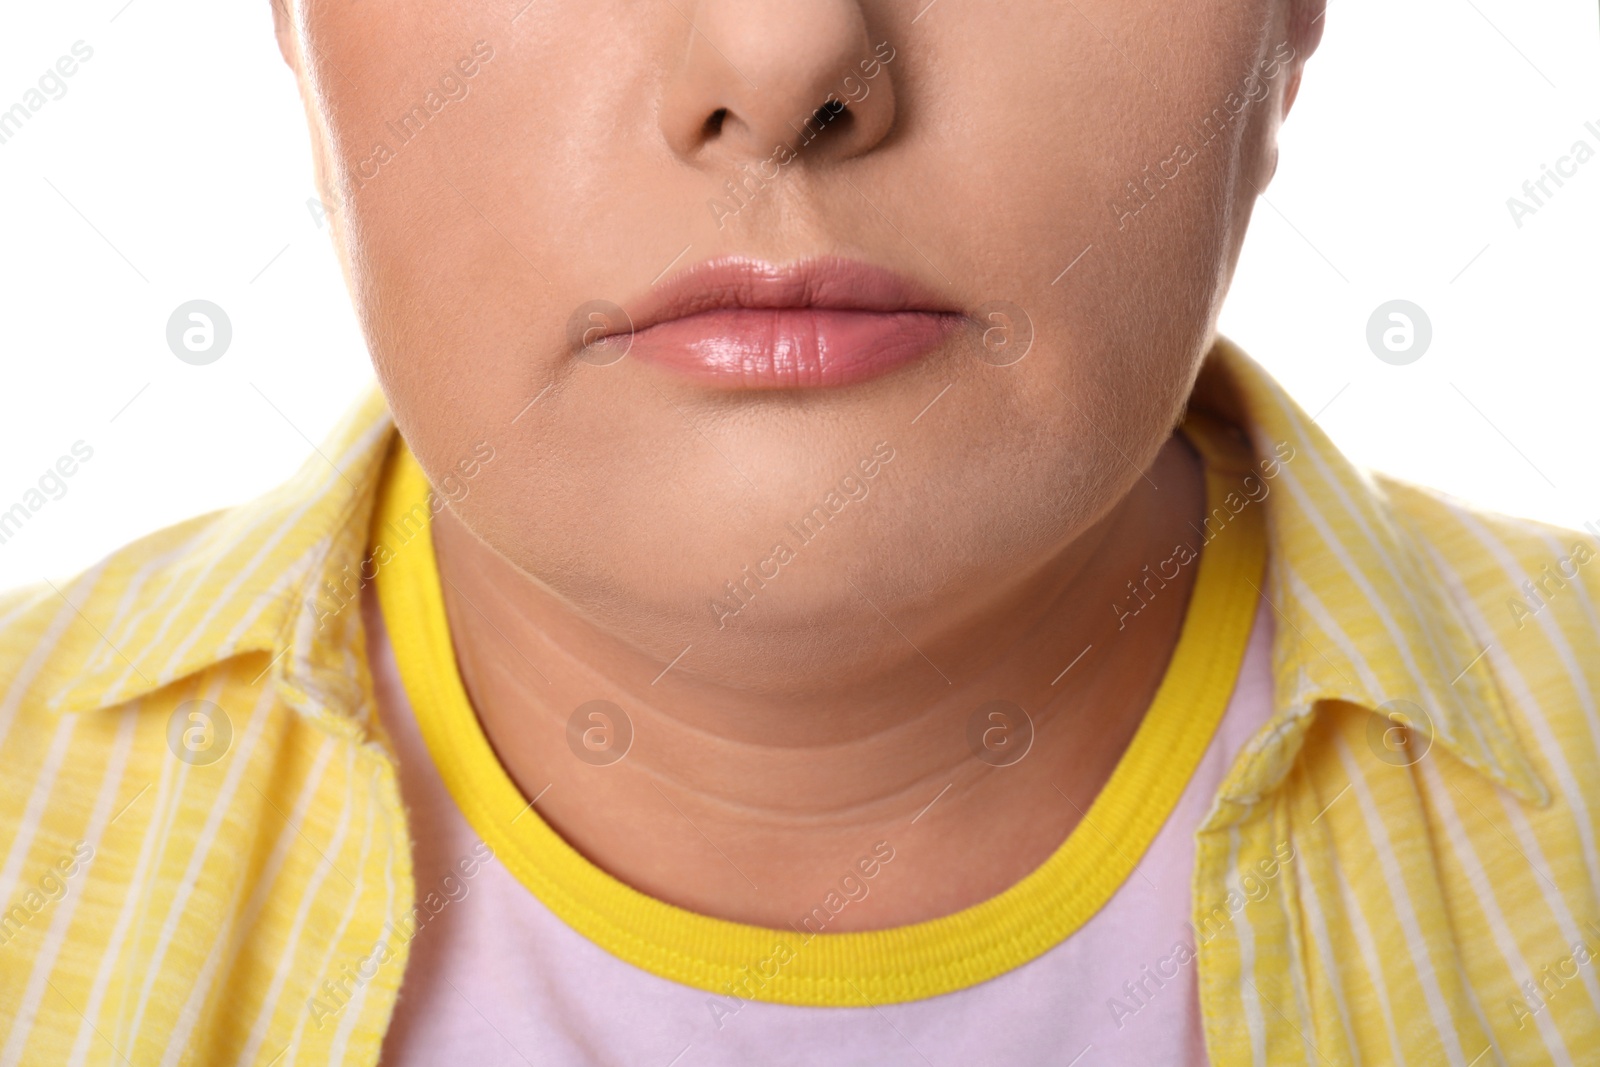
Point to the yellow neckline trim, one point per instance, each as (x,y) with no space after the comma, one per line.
(834,969)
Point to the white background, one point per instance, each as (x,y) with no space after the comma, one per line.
(176,166)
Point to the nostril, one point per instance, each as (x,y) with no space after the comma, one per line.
(832,111)
(834,115)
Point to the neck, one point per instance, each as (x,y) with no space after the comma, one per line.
(968,753)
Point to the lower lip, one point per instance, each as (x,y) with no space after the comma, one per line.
(790,348)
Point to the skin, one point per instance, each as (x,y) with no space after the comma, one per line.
(581,562)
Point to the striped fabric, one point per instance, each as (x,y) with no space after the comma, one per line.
(204,858)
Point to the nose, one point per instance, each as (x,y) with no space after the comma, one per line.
(757,77)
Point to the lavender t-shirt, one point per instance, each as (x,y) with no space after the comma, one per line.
(496,978)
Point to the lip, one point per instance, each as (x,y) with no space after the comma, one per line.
(745,323)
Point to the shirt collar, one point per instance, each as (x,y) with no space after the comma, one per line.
(261,578)
(1362,616)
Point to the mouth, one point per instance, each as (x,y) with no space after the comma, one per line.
(741,323)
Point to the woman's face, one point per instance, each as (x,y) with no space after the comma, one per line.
(1065,182)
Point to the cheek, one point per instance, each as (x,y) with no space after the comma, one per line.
(470,244)
(1051,195)
(477,239)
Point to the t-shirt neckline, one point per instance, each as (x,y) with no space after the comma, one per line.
(857,968)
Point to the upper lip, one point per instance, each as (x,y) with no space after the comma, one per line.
(822,282)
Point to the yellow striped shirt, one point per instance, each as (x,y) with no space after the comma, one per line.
(204,858)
